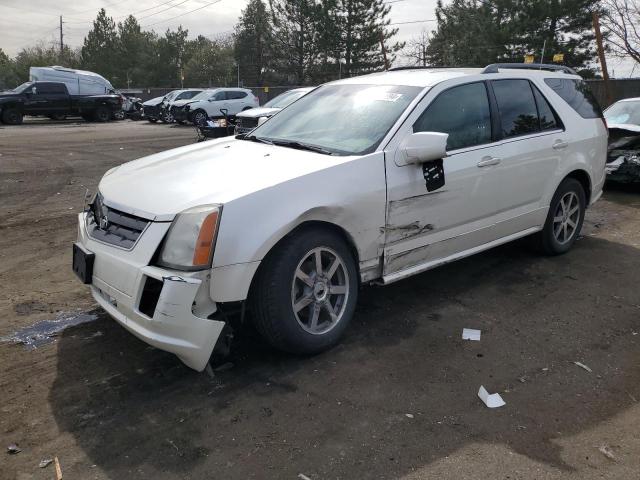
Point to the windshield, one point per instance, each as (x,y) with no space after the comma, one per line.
(170,96)
(624,112)
(287,98)
(342,119)
(21,88)
(203,95)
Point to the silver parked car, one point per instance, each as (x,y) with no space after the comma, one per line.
(248,120)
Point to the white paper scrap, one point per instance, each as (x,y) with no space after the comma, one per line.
(471,334)
(582,365)
(491,401)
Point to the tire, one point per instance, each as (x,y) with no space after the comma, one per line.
(102,114)
(119,115)
(279,288)
(199,117)
(12,116)
(167,117)
(564,220)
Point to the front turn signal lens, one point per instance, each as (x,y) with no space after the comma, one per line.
(204,244)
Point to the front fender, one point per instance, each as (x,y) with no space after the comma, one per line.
(350,195)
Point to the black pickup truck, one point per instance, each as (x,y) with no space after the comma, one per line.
(52,99)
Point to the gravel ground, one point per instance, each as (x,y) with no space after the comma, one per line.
(397,399)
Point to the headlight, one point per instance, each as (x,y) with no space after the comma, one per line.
(191,238)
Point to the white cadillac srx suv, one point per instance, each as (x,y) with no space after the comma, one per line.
(367,179)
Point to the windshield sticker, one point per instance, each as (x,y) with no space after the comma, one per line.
(387,96)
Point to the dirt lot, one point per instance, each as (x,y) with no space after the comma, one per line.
(397,399)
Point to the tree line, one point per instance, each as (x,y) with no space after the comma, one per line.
(298,42)
(290,42)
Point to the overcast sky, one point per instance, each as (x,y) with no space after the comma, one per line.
(25,22)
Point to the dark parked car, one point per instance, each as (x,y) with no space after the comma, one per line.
(52,99)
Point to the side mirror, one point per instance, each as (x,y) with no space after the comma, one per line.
(261,120)
(423,147)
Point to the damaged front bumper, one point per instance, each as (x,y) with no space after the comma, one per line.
(167,309)
(623,157)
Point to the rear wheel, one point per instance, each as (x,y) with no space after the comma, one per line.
(102,114)
(12,116)
(564,220)
(306,292)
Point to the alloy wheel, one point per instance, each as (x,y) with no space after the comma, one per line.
(320,290)
(566,218)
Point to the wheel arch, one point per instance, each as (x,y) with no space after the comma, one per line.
(585,180)
(309,224)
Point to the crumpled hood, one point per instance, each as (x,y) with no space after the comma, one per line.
(153,102)
(180,103)
(214,172)
(259,112)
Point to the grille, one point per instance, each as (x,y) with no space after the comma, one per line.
(246,123)
(112,226)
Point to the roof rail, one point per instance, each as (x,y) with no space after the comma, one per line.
(495,67)
(417,67)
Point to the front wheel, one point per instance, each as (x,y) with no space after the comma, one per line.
(167,117)
(564,220)
(306,292)
(200,117)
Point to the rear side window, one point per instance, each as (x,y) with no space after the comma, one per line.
(233,95)
(463,112)
(577,94)
(517,106)
(548,118)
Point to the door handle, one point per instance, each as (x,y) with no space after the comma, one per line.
(560,145)
(488,161)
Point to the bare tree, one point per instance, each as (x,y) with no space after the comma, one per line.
(621,24)
(416,49)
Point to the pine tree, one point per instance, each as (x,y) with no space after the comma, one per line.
(477,33)
(254,42)
(135,48)
(100,50)
(295,37)
(364,28)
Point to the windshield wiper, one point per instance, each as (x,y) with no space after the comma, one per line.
(301,146)
(253,138)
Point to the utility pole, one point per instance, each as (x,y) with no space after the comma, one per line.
(603,60)
(544,47)
(61,35)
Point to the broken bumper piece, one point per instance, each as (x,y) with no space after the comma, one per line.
(173,326)
(167,309)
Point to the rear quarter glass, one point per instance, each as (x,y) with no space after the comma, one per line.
(577,95)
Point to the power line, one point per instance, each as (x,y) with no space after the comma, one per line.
(182,15)
(414,21)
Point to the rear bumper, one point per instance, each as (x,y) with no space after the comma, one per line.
(120,278)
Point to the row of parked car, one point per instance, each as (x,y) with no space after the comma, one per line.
(217,111)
